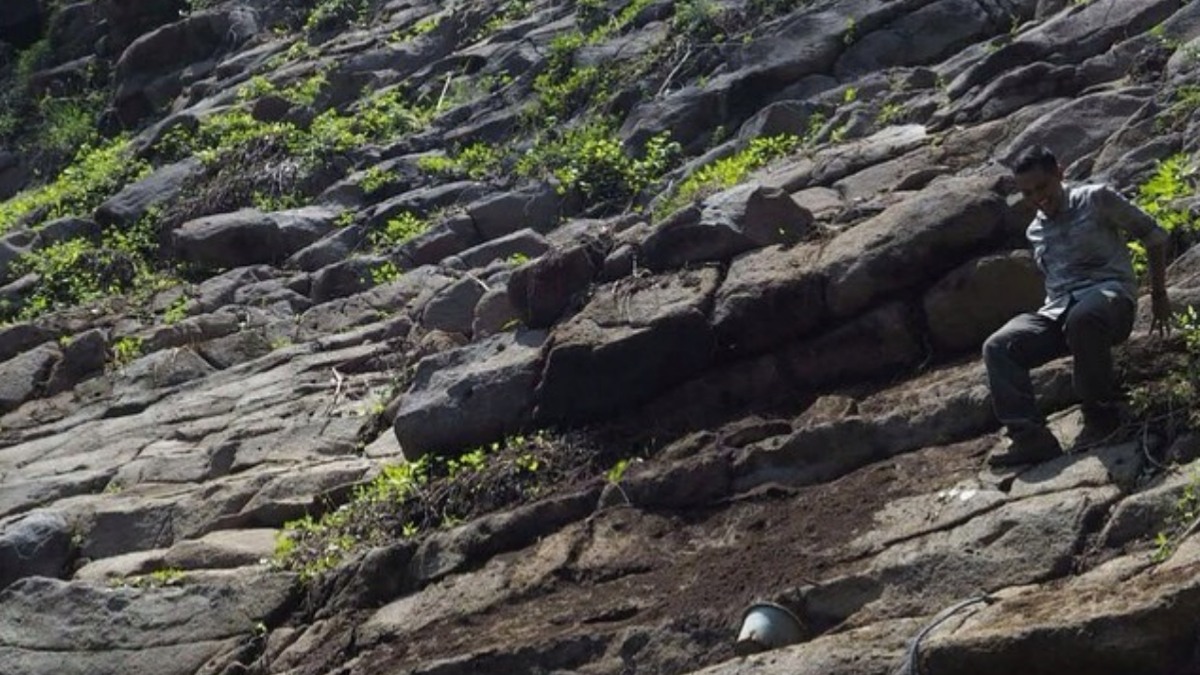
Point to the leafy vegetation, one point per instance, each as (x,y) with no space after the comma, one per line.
(476,161)
(727,172)
(1174,179)
(385,273)
(406,500)
(591,159)
(1175,398)
(398,230)
(125,350)
(332,14)
(96,173)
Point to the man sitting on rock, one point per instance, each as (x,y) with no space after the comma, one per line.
(1079,245)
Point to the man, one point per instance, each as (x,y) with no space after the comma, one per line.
(1079,245)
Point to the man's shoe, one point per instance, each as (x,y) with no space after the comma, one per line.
(1100,426)
(1028,446)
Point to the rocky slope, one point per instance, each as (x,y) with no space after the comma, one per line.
(669,307)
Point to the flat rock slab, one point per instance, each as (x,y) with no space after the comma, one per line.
(223,549)
(1148,627)
(48,625)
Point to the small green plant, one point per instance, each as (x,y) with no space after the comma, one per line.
(398,230)
(125,350)
(1184,515)
(332,14)
(476,161)
(385,273)
(697,19)
(169,576)
(96,172)
(890,113)
(1174,399)
(725,173)
(1184,101)
(592,160)
(850,95)
(416,30)
(850,35)
(617,471)
(256,87)
(375,178)
(1174,180)
(177,311)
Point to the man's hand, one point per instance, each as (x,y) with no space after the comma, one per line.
(1160,308)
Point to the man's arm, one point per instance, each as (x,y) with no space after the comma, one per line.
(1156,260)
(1140,224)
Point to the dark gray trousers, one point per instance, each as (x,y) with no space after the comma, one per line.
(1087,330)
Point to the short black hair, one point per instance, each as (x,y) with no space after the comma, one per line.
(1035,157)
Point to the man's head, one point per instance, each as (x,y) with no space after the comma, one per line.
(1039,177)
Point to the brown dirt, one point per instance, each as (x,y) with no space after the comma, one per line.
(719,560)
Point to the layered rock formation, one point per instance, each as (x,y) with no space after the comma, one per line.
(793,357)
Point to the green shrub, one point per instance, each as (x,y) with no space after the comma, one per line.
(725,173)
(125,350)
(398,230)
(96,173)
(406,500)
(375,178)
(68,123)
(592,160)
(476,161)
(331,14)
(698,19)
(1174,179)
(385,273)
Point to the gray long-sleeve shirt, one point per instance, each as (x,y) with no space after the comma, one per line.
(1083,248)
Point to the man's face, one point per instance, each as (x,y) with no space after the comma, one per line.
(1042,188)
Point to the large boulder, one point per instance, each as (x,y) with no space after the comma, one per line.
(37,545)
(503,214)
(732,222)
(932,32)
(453,309)
(1079,127)
(1069,37)
(469,396)
(52,626)
(127,19)
(879,341)
(23,377)
(75,29)
(636,338)
(769,297)
(971,302)
(149,74)
(21,337)
(1106,622)
(912,243)
(161,186)
(249,236)
(543,289)
(83,356)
